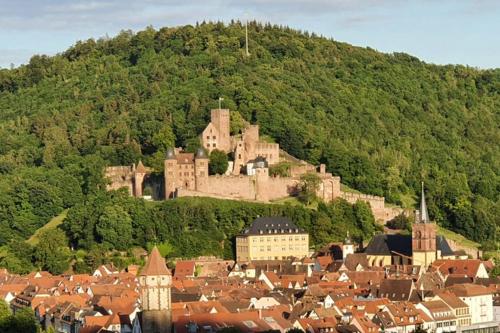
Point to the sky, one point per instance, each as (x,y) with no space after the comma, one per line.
(437,31)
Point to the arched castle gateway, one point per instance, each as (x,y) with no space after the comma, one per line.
(247,178)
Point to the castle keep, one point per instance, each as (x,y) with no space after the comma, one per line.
(247,178)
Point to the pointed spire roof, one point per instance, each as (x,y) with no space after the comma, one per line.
(140,168)
(347,240)
(155,265)
(424,215)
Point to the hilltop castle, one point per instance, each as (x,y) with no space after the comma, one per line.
(247,177)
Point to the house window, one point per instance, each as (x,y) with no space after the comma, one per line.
(213,137)
(213,145)
(208,137)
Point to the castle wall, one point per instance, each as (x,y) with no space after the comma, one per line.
(297,170)
(270,151)
(329,188)
(377,204)
(232,186)
(120,177)
(278,187)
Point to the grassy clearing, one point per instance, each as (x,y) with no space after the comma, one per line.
(407,200)
(456,237)
(33,240)
(345,188)
(294,201)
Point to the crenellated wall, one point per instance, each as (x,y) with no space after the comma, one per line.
(380,211)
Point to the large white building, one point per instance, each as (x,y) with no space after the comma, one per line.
(480,302)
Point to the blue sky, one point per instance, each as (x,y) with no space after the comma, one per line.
(436,31)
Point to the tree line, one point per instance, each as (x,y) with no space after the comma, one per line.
(383,122)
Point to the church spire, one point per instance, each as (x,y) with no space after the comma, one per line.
(424,215)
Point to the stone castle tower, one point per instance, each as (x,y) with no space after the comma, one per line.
(155,282)
(217,134)
(423,236)
(185,170)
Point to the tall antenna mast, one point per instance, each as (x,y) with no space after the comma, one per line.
(246,35)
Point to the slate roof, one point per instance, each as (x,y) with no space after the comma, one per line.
(385,244)
(442,244)
(273,225)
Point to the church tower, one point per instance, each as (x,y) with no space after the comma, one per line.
(155,282)
(347,247)
(423,236)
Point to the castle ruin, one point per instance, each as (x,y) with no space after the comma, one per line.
(248,178)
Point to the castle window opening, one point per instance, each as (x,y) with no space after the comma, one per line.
(213,145)
(213,137)
(208,137)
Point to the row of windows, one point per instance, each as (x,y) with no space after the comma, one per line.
(276,239)
(213,137)
(213,145)
(283,248)
(186,174)
(464,322)
(269,258)
(482,330)
(446,323)
(186,166)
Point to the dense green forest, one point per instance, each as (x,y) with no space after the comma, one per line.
(383,122)
(184,227)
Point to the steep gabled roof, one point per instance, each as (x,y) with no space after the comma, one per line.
(140,168)
(443,246)
(388,244)
(155,265)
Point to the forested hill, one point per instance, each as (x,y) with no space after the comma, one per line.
(383,122)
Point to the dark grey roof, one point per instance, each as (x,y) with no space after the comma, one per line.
(200,153)
(443,246)
(388,244)
(179,296)
(170,154)
(452,280)
(272,225)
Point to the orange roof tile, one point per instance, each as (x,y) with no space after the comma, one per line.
(155,265)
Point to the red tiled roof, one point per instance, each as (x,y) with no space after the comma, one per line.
(184,268)
(155,265)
